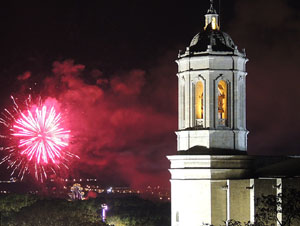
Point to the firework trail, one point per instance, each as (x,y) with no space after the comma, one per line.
(38,142)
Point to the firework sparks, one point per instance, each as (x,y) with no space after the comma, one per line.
(41,135)
(40,141)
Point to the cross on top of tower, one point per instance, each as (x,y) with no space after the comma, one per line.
(211,9)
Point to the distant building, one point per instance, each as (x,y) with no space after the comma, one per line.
(213,179)
(76,192)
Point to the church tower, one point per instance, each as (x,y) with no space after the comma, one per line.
(212,90)
(211,162)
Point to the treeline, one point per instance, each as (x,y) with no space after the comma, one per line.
(30,210)
(134,211)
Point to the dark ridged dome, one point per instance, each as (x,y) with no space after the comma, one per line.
(219,41)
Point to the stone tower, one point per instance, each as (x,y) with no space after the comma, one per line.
(211,162)
(212,83)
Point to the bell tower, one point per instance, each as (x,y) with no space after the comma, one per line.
(211,163)
(212,90)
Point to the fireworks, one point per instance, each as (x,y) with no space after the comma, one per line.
(38,140)
(41,136)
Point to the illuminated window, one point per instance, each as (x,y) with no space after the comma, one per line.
(199,100)
(222,99)
(214,23)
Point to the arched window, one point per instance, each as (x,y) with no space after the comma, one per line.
(214,23)
(222,100)
(199,100)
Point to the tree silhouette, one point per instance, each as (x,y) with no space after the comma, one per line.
(270,207)
(283,208)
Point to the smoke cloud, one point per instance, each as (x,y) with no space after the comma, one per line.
(26,75)
(121,133)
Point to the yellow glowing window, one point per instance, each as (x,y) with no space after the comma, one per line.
(199,100)
(222,99)
(214,23)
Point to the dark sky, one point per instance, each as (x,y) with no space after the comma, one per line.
(111,66)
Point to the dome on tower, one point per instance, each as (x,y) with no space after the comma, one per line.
(218,40)
(211,38)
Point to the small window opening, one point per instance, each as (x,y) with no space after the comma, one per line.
(222,100)
(199,100)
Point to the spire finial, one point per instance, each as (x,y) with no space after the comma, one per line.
(211,8)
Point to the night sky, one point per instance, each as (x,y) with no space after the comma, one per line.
(110,64)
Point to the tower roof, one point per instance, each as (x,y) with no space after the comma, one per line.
(218,40)
(211,35)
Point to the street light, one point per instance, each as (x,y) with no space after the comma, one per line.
(104,208)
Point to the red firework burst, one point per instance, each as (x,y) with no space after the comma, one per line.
(38,142)
(42,137)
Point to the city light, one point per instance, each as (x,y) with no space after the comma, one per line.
(104,209)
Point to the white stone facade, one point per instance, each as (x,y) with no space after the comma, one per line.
(210,68)
(201,187)
(211,189)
